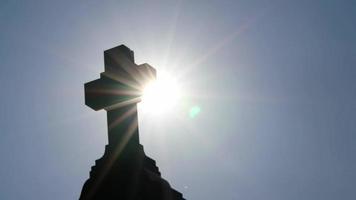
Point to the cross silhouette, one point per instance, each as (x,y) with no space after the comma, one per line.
(118,90)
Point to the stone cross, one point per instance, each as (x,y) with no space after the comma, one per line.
(118,90)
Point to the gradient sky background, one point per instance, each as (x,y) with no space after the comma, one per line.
(275,81)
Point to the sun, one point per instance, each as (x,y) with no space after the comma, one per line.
(161,95)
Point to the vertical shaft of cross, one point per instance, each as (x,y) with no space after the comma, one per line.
(123,127)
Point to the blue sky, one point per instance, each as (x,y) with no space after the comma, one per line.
(275,82)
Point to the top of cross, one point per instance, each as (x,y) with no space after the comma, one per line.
(121,83)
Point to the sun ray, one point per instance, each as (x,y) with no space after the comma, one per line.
(218,46)
(121,118)
(129,132)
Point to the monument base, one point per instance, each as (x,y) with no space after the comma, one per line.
(134,176)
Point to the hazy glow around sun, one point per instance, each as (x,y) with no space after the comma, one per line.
(160,95)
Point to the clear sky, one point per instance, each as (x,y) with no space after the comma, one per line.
(274,82)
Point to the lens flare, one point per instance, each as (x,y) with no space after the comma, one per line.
(194,111)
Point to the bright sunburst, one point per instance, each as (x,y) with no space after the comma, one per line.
(161,95)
